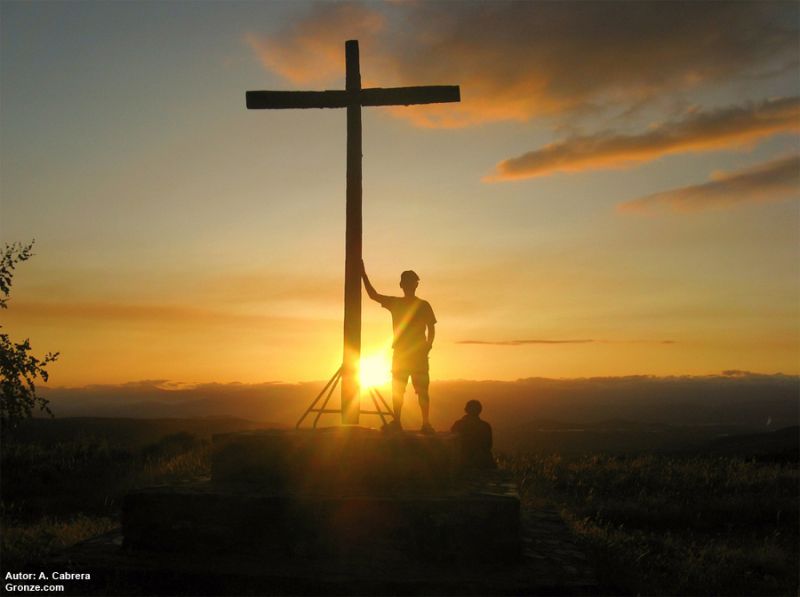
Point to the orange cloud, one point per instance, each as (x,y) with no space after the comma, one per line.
(698,131)
(776,180)
(311,51)
(520,60)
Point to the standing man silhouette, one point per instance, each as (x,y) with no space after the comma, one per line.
(414,328)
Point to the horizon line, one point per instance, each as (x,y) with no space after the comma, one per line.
(172,385)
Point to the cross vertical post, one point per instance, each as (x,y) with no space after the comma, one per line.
(352,261)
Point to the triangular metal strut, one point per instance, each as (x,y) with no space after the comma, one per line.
(381,407)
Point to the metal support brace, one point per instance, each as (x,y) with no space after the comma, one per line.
(381,407)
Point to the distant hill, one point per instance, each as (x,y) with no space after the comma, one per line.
(627,437)
(125,432)
(544,437)
(754,401)
(613,437)
(782,444)
(278,402)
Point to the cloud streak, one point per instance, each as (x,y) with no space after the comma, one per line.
(697,131)
(777,180)
(551,342)
(156,314)
(521,342)
(521,60)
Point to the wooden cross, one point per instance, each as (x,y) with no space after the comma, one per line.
(352,98)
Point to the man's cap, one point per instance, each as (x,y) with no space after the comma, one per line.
(409,275)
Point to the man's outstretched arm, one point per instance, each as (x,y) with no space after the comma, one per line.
(371,292)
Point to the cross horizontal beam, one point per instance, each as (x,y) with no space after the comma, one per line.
(376,96)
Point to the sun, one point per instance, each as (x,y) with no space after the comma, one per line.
(374,371)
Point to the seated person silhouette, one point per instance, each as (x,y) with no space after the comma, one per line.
(412,319)
(476,438)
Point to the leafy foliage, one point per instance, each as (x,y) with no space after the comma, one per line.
(19,369)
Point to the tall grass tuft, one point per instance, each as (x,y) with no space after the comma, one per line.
(58,494)
(665,525)
(23,544)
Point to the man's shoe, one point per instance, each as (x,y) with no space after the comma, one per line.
(427,430)
(392,426)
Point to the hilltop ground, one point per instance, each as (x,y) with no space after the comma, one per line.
(716,518)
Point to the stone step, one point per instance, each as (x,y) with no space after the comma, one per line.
(551,564)
(476,520)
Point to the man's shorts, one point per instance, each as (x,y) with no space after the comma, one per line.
(419,380)
(413,365)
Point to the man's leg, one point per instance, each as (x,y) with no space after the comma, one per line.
(399,382)
(421,381)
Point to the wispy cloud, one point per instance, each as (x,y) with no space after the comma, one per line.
(270,285)
(777,180)
(521,342)
(519,60)
(540,341)
(697,131)
(103,312)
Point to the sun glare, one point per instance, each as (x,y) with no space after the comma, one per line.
(374,371)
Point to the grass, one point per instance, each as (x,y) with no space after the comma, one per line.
(652,524)
(59,494)
(26,543)
(675,525)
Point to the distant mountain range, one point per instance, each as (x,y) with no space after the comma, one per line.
(734,401)
(780,444)
(543,437)
(624,437)
(126,432)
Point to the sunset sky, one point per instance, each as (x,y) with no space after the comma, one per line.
(617,192)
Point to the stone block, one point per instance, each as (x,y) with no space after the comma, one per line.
(477,521)
(335,460)
(341,493)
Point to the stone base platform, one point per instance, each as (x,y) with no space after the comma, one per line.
(342,492)
(477,521)
(335,460)
(339,511)
(550,564)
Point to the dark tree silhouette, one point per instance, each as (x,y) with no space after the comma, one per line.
(18,368)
